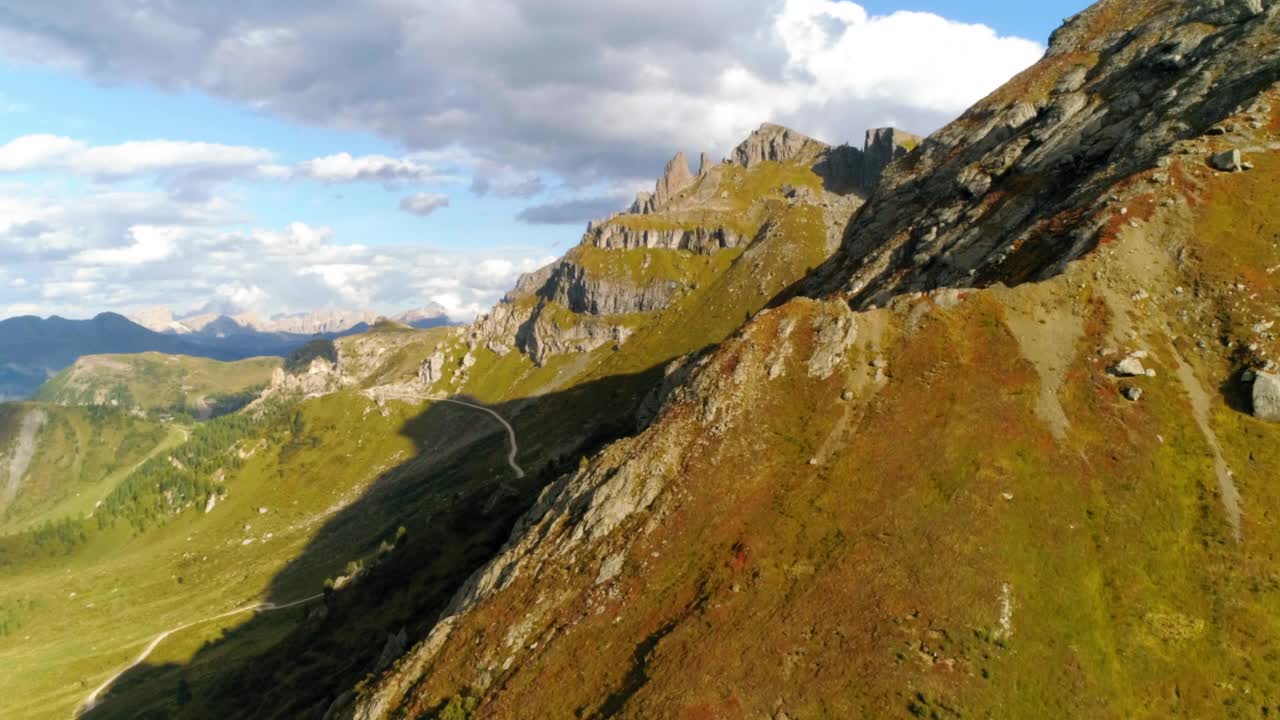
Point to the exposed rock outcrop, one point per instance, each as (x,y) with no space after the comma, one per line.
(572,287)
(545,334)
(775,143)
(1227,12)
(643,204)
(320,378)
(704,240)
(14,464)
(883,147)
(498,328)
(675,177)
(845,169)
(432,370)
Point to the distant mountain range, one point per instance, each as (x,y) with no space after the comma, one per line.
(207,322)
(33,349)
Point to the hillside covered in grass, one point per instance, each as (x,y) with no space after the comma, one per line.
(150,382)
(58,461)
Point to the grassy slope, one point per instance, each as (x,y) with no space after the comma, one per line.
(874,583)
(154,381)
(91,611)
(1127,597)
(81,454)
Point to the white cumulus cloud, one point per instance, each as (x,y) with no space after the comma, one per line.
(128,251)
(343,167)
(51,152)
(424,203)
(150,244)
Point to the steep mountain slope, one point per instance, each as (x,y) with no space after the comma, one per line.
(156,382)
(367,426)
(921,493)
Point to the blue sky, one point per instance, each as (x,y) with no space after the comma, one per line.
(239,208)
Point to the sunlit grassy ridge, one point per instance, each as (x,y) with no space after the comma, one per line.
(77,452)
(154,381)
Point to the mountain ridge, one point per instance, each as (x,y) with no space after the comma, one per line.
(315,322)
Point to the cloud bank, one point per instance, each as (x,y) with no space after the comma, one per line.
(585,89)
(148,249)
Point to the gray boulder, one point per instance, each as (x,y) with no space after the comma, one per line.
(1229,161)
(1129,367)
(1266,397)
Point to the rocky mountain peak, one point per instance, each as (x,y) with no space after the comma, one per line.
(846,169)
(777,144)
(882,147)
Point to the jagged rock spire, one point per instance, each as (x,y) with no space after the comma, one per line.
(675,178)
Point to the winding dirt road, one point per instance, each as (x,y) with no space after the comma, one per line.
(511,433)
(92,700)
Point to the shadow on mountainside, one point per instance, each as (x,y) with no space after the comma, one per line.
(457,508)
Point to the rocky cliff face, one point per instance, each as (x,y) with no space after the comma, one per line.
(675,178)
(573,288)
(845,169)
(702,240)
(548,333)
(775,143)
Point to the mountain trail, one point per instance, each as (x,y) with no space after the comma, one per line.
(92,700)
(392,392)
(511,434)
